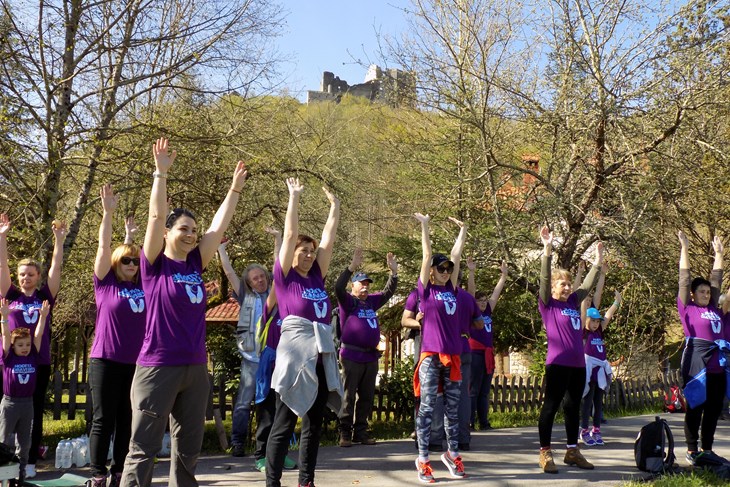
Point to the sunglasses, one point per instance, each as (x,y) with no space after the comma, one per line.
(129,260)
(448,269)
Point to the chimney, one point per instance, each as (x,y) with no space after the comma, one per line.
(531,162)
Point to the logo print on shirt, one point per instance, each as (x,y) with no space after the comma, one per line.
(373,323)
(715,321)
(193,285)
(369,315)
(31,315)
(487,323)
(136,308)
(449,301)
(135,297)
(574,317)
(23,378)
(195,293)
(319,298)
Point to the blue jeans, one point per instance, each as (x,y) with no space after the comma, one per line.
(430,373)
(242,408)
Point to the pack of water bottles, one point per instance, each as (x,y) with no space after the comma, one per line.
(73,452)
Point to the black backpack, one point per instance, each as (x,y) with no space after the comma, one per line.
(654,447)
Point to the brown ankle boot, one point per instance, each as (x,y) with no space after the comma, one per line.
(547,464)
(574,457)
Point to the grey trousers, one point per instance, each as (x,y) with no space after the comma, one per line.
(180,393)
(359,380)
(16,418)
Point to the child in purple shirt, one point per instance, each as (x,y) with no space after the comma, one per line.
(20,362)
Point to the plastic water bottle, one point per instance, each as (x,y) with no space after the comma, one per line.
(59,452)
(67,452)
(85,450)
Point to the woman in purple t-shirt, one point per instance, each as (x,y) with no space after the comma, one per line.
(26,301)
(299,274)
(441,348)
(565,366)
(171,378)
(120,325)
(702,320)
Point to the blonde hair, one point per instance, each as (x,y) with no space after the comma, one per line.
(559,274)
(30,262)
(124,250)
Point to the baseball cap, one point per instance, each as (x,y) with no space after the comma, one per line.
(361,276)
(438,259)
(593,313)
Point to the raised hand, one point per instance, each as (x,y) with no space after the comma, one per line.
(504,268)
(274,232)
(458,222)
(683,241)
(59,230)
(4,224)
(356,261)
(422,218)
(240,175)
(45,309)
(130,227)
(109,200)
(470,264)
(717,245)
(4,308)
(163,158)
(333,199)
(599,254)
(546,236)
(604,268)
(392,263)
(617,297)
(295,187)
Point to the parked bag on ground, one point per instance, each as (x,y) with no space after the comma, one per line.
(674,401)
(654,447)
(7,454)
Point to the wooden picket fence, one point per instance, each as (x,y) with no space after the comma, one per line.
(509,394)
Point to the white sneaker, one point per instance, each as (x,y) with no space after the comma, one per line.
(29,471)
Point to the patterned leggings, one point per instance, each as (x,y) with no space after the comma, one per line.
(430,373)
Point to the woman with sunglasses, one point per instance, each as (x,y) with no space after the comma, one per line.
(171,379)
(441,347)
(25,303)
(306,374)
(120,324)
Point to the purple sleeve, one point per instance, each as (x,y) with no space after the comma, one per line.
(146,269)
(46,294)
(412,302)
(12,293)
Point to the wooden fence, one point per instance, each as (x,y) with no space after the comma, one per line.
(509,394)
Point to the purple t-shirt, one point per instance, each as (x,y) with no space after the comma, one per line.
(360,327)
(484,336)
(120,319)
(274,335)
(467,310)
(564,330)
(440,329)
(25,311)
(703,322)
(302,296)
(412,303)
(19,373)
(175,298)
(594,345)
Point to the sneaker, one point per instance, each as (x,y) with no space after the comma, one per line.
(691,456)
(260,465)
(573,456)
(705,458)
(238,451)
(546,462)
(586,438)
(289,464)
(30,471)
(596,435)
(455,465)
(116,480)
(96,482)
(425,473)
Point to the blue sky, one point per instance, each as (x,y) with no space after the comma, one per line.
(326,35)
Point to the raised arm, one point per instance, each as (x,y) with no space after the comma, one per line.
(326,245)
(341,284)
(4,265)
(291,226)
(457,249)
(612,310)
(213,236)
(425,275)
(4,325)
(579,274)
(42,322)
(103,261)
(598,293)
(228,268)
(592,278)
(392,283)
(276,233)
(716,275)
(504,268)
(54,272)
(546,237)
(130,230)
(471,285)
(154,237)
(684,269)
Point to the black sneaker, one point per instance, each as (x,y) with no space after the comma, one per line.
(238,451)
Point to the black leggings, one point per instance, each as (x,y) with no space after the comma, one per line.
(43,375)
(561,382)
(712,408)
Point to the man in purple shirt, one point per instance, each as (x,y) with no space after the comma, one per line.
(359,354)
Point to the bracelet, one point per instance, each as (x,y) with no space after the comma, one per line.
(617,304)
(3,322)
(158,174)
(235,191)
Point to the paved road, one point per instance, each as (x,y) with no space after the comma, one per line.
(505,457)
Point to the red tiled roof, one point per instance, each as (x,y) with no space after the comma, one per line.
(227,311)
